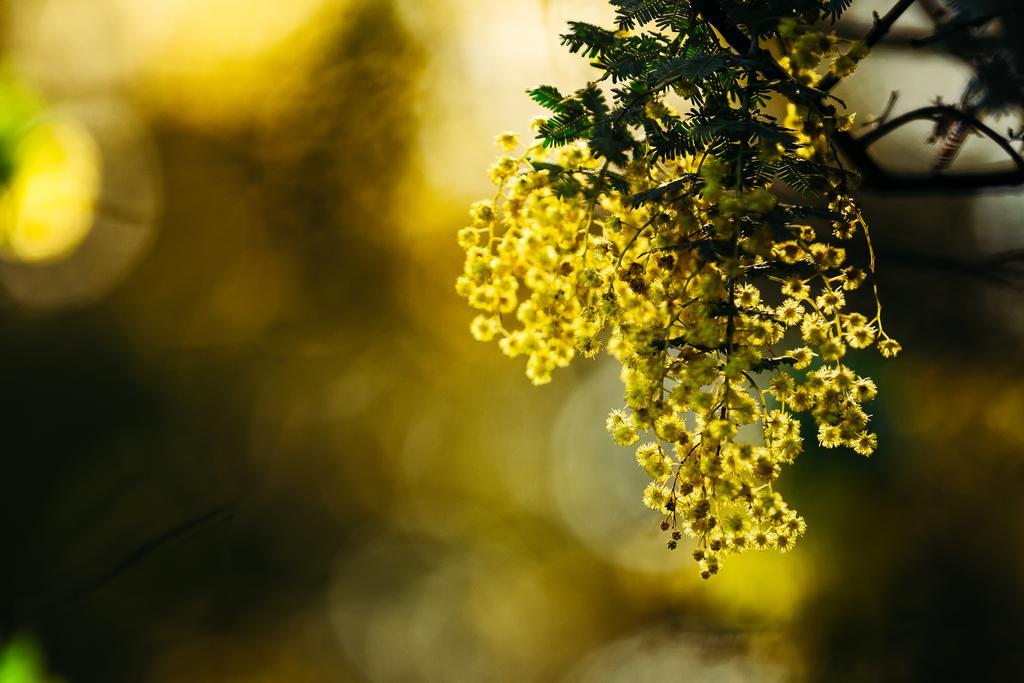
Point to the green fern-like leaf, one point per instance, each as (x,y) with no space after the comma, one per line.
(633,13)
(592,41)
(547,96)
(835,8)
(697,68)
(799,175)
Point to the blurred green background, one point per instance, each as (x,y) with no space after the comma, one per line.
(259,333)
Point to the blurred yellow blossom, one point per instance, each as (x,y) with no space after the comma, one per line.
(49,204)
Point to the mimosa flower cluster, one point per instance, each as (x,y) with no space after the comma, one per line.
(727,308)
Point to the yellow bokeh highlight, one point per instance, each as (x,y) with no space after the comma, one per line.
(766,587)
(216,61)
(49,205)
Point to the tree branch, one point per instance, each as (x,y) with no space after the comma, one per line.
(50,605)
(877,178)
(877,32)
(939,113)
(873,176)
(952,27)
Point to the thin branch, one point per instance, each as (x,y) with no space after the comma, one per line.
(876,178)
(96,583)
(873,176)
(938,113)
(878,31)
(1008,257)
(911,39)
(901,39)
(884,24)
(953,27)
(894,96)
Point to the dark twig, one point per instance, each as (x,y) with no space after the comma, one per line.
(904,39)
(878,31)
(894,96)
(876,178)
(1008,257)
(909,39)
(96,583)
(873,176)
(953,27)
(940,112)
